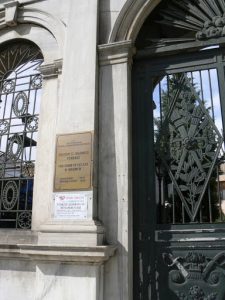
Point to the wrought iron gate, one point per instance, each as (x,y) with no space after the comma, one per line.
(179,176)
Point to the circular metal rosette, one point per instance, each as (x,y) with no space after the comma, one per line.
(24,220)
(15,147)
(32,123)
(4,127)
(36,82)
(10,195)
(28,169)
(20,104)
(8,86)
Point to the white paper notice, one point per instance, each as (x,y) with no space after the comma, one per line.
(71,206)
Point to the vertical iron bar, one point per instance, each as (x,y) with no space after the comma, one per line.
(173,201)
(160,197)
(210,204)
(201,85)
(27,189)
(218,192)
(29,95)
(192,78)
(200,213)
(20,163)
(5,97)
(211,95)
(221,85)
(183,218)
(2,186)
(160,103)
(168,90)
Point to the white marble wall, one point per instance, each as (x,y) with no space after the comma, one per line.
(67,282)
(17,280)
(115,197)
(68,106)
(83,97)
(23,280)
(66,31)
(76,111)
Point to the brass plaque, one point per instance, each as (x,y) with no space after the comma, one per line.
(73,166)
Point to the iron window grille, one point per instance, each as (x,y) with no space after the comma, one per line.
(20,93)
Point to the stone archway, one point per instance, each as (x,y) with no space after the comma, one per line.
(131,18)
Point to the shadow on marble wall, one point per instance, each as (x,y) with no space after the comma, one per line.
(17,266)
(67,270)
(108,208)
(108,173)
(107,16)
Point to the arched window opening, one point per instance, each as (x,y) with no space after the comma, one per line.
(20,94)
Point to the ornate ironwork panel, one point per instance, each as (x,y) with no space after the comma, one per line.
(196,276)
(188,143)
(189,147)
(20,92)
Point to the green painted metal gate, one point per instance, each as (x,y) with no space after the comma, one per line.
(179,176)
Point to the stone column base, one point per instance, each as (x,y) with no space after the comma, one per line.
(88,233)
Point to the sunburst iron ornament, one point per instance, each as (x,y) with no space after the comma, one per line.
(205,17)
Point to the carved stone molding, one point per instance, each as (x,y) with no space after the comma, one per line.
(78,255)
(89,233)
(52,69)
(131,18)
(21,2)
(17,12)
(11,13)
(8,14)
(116,53)
(54,25)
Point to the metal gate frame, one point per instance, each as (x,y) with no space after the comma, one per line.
(170,261)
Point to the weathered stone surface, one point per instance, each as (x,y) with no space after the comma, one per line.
(64,259)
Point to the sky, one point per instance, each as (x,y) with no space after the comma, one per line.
(209,93)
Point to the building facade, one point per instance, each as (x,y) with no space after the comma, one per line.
(112,155)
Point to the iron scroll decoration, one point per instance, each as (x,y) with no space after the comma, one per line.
(196,277)
(15,139)
(4,127)
(9,201)
(20,111)
(194,142)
